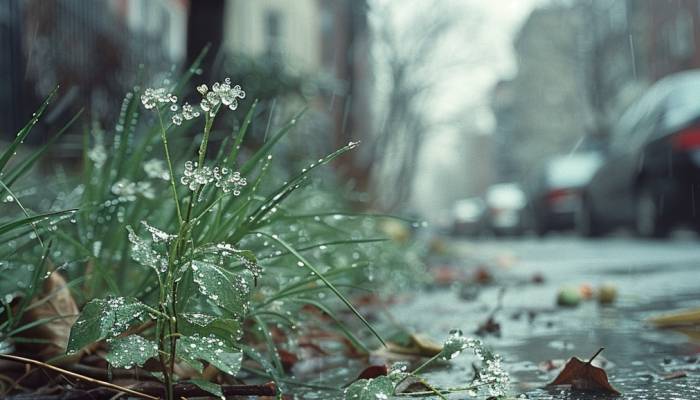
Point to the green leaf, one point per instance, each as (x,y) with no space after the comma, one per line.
(328,284)
(228,291)
(225,328)
(22,134)
(207,386)
(29,162)
(125,352)
(104,318)
(30,220)
(211,349)
(370,389)
(143,253)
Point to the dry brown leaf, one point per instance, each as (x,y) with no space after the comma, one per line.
(679,318)
(55,304)
(582,375)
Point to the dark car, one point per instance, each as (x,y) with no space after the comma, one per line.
(555,193)
(650,179)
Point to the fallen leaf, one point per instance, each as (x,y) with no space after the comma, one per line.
(54,304)
(581,375)
(288,359)
(417,345)
(681,318)
(373,371)
(674,375)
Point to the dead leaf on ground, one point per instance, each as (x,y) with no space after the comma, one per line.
(54,304)
(675,319)
(373,371)
(674,375)
(417,345)
(582,375)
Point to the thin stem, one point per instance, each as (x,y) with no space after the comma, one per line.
(419,368)
(170,166)
(77,376)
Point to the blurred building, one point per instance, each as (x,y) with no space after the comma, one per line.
(324,41)
(540,111)
(93,49)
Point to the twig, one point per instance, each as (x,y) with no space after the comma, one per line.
(77,376)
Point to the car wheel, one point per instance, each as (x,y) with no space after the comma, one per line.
(587,223)
(650,221)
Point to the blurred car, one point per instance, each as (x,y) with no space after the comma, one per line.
(554,195)
(650,179)
(468,216)
(505,203)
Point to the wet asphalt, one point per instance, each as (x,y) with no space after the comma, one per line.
(650,278)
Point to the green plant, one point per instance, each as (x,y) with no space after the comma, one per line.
(22,230)
(490,379)
(197,290)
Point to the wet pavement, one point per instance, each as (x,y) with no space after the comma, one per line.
(537,336)
(651,277)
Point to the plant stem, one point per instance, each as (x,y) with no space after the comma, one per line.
(170,166)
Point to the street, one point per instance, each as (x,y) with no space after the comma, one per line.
(651,277)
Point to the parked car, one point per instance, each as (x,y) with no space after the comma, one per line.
(650,179)
(505,203)
(555,192)
(468,216)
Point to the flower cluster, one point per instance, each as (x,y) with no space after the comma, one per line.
(220,93)
(492,375)
(155,169)
(128,190)
(153,97)
(188,113)
(194,177)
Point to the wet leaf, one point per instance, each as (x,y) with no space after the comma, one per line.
(103,318)
(125,352)
(373,371)
(414,344)
(370,389)
(229,291)
(209,387)
(143,253)
(679,318)
(581,375)
(211,349)
(227,329)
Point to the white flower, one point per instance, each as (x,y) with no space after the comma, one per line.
(155,169)
(151,97)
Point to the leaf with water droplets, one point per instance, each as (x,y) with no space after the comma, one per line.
(229,291)
(211,349)
(207,386)
(370,389)
(143,253)
(125,352)
(227,329)
(104,318)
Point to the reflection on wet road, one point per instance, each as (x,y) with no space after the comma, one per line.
(651,277)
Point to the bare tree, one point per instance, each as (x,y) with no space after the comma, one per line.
(408,37)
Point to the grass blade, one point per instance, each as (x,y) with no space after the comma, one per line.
(330,286)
